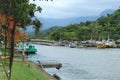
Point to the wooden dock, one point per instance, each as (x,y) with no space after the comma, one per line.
(41,42)
(50,65)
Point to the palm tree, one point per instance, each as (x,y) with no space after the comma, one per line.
(37,24)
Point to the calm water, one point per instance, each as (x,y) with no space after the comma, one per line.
(82,63)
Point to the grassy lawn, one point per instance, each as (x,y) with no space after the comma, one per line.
(22,71)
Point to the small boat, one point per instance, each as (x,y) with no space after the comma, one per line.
(80,46)
(110,43)
(72,45)
(31,49)
(100,45)
(28,48)
(59,44)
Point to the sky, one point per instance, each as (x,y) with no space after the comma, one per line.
(74,8)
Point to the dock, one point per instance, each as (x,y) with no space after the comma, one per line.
(50,65)
(41,42)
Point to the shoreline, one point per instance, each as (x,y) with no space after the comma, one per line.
(41,69)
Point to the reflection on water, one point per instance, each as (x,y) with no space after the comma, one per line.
(82,63)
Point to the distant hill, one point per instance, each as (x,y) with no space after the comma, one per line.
(107,11)
(49,22)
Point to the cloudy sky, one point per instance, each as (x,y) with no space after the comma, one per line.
(74,8)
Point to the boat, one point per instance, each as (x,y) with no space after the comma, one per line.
(27,48)
(80,46)
(72,45)
(31,49)
(100,44)
(110,43)
(59,44)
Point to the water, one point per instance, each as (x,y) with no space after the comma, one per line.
(82,63)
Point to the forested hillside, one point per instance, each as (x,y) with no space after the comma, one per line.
(100,29)
(50,22)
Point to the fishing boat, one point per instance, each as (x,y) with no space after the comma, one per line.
(110,43)
(26,48)
(31,49)
(100,44)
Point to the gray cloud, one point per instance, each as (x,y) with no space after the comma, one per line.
(75,8)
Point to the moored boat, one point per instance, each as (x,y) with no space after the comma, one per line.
(31,50)
(100,44)
(72,45)
(26,48)
(110,43)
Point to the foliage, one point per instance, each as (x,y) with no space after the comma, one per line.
(97,30)
(37,24)
(14,14)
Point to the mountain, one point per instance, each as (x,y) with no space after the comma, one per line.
(107,11)
(49,22)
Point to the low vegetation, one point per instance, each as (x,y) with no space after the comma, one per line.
(23,71)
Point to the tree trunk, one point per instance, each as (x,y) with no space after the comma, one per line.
(11,51)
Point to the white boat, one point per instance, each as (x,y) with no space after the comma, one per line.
(72,45)
(110,43)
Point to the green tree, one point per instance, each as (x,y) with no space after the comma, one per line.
(56,35)
(82,33)
(21,15)
(98,29)
(37,24)
(71,27)
(93,30)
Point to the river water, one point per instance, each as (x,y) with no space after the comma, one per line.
(81,63)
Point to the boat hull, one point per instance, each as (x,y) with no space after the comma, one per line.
(101,46)
(28,52)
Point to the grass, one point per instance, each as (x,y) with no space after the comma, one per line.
(22,71)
